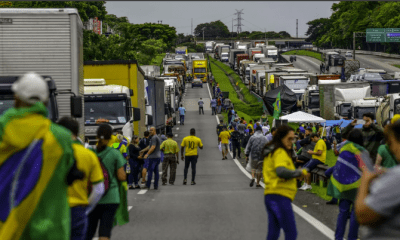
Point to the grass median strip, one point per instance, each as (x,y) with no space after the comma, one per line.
(304,53)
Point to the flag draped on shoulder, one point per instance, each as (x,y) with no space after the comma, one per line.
(277,106)
(122,214)
(35,158)
(345,178)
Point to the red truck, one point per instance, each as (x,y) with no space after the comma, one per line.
(239,58)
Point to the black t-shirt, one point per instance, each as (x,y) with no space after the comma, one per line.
(220,127)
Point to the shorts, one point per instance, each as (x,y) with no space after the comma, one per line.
(312,164)
(256,166)
(225,146)
(146,163)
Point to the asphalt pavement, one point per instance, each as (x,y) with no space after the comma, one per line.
(220,206)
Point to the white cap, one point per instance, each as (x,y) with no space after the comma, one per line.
(31,88)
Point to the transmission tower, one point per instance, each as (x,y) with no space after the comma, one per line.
(239,20)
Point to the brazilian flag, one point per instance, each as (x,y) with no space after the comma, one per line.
(277,106)
(346,175)
(35,158)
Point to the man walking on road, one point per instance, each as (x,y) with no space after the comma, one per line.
(191,143)
(235,140)
(201,104)
(182,112)
(171,158)
(241,129)
(254,150)
(220,128)
(154,158)
(213,105)
(224,140)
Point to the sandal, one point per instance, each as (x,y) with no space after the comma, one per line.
(258,185)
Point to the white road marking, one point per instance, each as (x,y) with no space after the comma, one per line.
(176,135)
(177,128)
(310,219)
(142,192)
(130,207)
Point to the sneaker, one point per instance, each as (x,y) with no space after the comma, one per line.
(308,187)
(155,188)
(252,182)
(184,182)
(164,183)
(302,187)
(137,187)
(223,158)
(131,187)
(193,183)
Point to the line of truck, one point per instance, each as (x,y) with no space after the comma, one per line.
(328,95)
(121,93)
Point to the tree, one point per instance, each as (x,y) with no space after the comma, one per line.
(284,34)
(316,30)
(212,29)
(86,10)
(149,49)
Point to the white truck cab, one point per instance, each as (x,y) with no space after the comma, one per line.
(110,104)
(365,105)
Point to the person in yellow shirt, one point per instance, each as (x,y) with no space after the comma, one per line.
(120,145)
(86,161)
(280,183)
(224,140)
(318,156)
(191,143)
(170,149)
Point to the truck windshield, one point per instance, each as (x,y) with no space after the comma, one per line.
(199,70)
(314,101)
(113,111)
(359,111)
(344,109)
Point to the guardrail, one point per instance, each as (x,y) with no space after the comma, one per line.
(388,55)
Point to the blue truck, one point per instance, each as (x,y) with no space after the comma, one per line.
(155,94)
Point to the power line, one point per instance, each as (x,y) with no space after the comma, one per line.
(239,20)
(255,25)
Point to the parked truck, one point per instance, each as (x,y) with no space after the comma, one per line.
(270,52)
(110,104)
(151,70)
(345,96)
(333,63)
(181,50)
(155,92)
(239,58)
(253,51)
(233,53)
(200,69)
(209,46)
(31,42)
(125,73)
(221,49)
(389,106)
(366,105)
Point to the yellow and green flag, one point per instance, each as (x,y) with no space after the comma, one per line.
(277,106)
(35,158)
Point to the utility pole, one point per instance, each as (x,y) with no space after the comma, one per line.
(356,34)
(297,28)
(203,33)
(232,28)
(239,20)
(191,31)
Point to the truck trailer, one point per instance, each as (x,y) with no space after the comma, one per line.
(31,41)
(155,93)
(200,69)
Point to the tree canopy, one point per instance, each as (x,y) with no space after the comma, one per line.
(354,16)
(212,29)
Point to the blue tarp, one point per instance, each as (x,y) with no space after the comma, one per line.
(344,124)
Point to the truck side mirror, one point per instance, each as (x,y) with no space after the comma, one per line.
(149,120)
(131,92)
(136,114)
(76,106)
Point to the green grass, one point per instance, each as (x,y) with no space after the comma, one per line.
(304,53)
(253,111)
(396,65)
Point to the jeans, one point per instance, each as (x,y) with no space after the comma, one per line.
(190,160)
(130,175)
(219,108)
(135,171)
(213,110)
(153,167)
(280,215)
(236,148)
(182,119)
(344,211)
(79,223)
(201,110)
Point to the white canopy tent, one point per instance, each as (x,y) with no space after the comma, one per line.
(302,117)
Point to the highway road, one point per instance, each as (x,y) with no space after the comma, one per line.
(221,205)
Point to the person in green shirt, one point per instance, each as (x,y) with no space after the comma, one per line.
(106,208)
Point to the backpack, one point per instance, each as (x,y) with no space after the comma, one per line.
(106,176)
(235,136)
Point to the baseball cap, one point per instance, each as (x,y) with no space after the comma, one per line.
(170,134)
(395,118)
(31,88)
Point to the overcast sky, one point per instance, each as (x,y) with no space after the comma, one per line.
(273,16)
